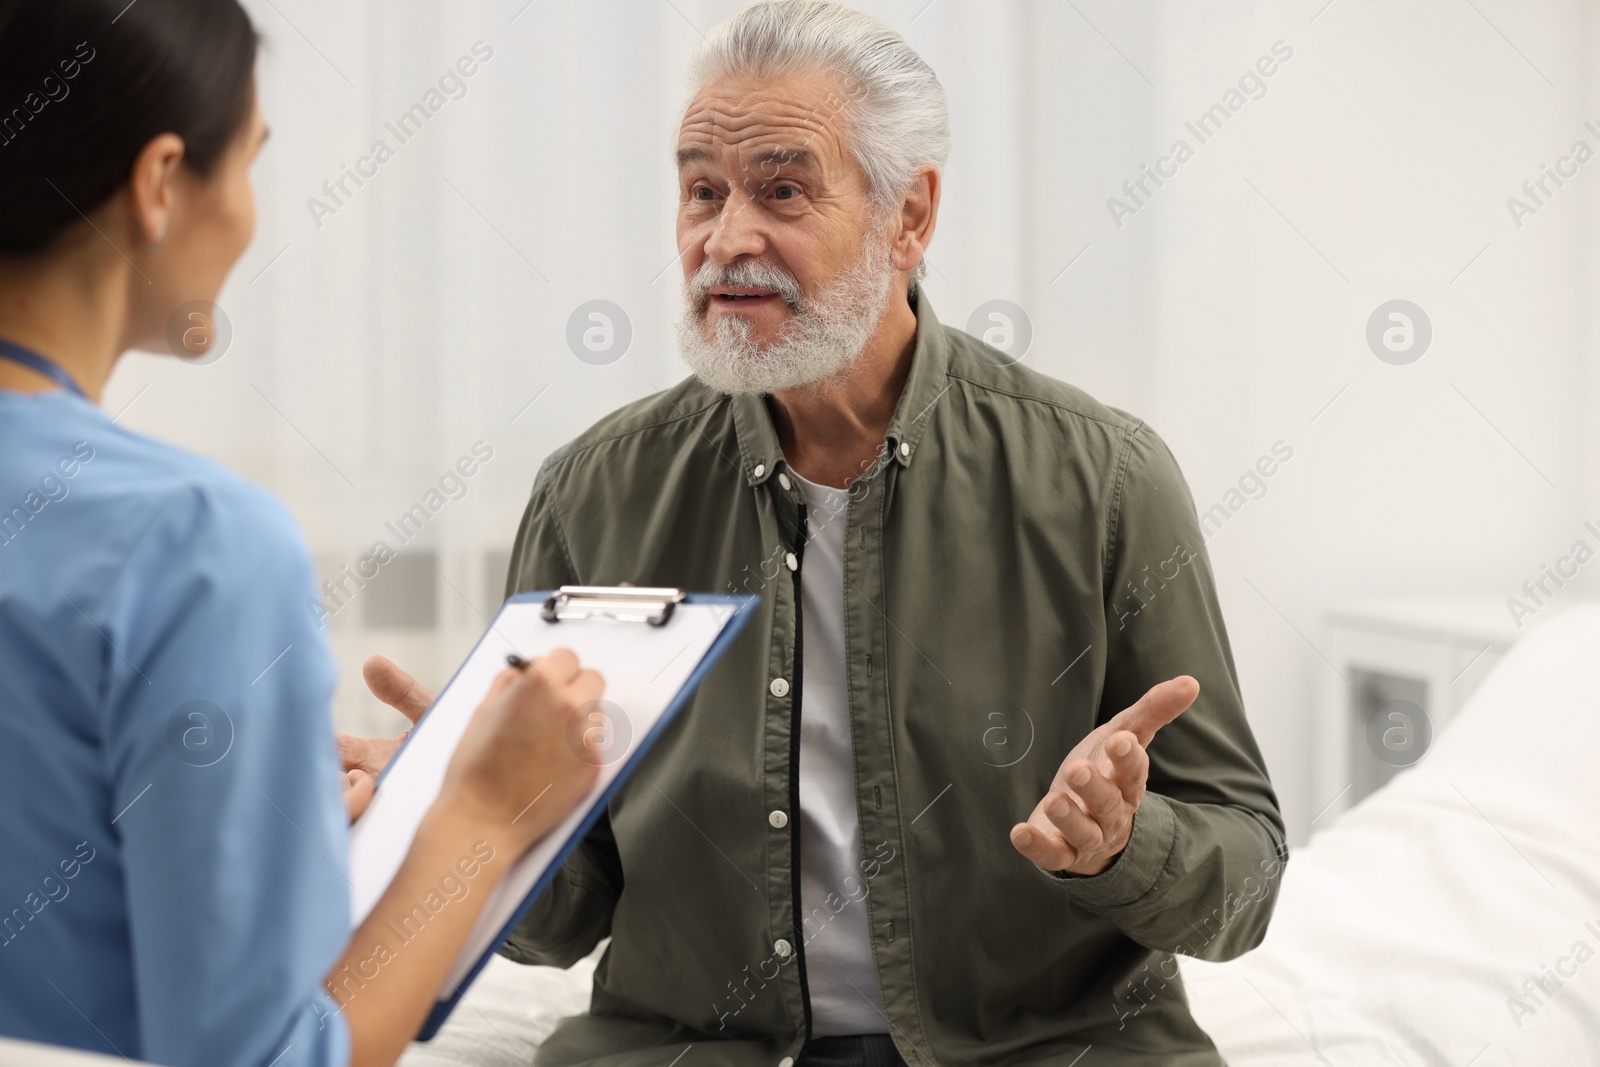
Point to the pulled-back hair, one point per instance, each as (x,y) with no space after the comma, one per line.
(86,84)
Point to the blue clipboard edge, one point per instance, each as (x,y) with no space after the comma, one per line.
(742,611)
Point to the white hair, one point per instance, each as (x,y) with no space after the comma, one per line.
(893,103)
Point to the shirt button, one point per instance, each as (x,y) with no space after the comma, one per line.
(783,480)
(783,948)
(778,820)
(760,469)
(779,687)
(791,561)
(905,449)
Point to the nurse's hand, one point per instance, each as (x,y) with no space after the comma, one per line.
(364,758)
(525,760)
(521,767)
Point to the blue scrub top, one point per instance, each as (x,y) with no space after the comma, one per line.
(172,831)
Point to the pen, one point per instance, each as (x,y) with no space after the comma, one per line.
(514,660)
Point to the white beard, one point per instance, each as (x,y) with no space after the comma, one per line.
(820,342)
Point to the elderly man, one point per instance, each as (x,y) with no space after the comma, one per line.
(921,813)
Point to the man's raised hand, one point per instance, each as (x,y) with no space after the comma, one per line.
(1084,821)
(364,758)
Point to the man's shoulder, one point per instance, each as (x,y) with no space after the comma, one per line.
(645,423)
(691,411)
(991,374)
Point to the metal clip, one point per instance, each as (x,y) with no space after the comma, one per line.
(625,603)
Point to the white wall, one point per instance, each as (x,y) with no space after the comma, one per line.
(432,307)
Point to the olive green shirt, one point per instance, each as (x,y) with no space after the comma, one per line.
(1021,563)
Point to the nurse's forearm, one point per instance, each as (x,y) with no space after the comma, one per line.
(395,965)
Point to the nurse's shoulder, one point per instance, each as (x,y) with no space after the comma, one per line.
(80,487)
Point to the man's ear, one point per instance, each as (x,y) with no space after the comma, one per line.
(152,187)
(919,215)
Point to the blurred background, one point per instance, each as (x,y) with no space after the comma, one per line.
(383,330)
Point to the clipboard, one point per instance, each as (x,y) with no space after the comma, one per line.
(653,647)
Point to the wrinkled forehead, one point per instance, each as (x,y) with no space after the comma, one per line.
(753,124)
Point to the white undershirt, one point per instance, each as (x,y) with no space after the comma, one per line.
(840,975)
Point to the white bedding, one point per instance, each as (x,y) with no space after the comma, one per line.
(505,1014)
(1401,931)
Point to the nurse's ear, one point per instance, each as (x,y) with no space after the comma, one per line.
(153,188)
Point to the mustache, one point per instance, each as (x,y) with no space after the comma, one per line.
(753,273)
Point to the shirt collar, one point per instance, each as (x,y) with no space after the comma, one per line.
(760,453)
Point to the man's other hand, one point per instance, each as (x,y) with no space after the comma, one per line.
(1084,821)
(364,758)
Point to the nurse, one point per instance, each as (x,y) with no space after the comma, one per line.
(173,846)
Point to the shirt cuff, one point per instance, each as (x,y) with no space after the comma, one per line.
(1137,870)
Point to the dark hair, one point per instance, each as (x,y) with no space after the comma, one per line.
(86,84)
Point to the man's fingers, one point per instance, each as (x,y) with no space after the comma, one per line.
(1081,829)
(395,687)
(352,751)
(1130,765)
(367,754)
(1159,706)
(1042,843)
(1101,797)
(358,787)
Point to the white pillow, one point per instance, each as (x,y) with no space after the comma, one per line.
(1414,929)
